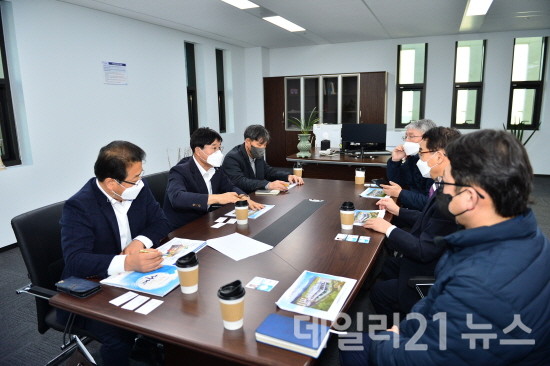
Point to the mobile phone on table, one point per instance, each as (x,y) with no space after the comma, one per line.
(380,181)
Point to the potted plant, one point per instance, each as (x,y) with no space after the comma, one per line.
(305,126)
(518,130)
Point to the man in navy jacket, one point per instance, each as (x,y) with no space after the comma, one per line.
(489,303)
(406,181)
(103,228)
(419,251)
(246,166)
(197,184)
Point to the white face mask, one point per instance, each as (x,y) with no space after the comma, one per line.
(215,159)
(411,148)
(424,167)
(130,194)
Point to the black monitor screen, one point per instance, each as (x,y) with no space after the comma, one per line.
(363,133)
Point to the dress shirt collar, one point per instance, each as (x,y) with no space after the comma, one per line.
(112,200)
(206,174)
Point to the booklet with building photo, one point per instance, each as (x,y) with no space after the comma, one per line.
(317,294)
(373,193)
(363,215)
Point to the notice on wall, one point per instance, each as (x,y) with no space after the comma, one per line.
(115,73)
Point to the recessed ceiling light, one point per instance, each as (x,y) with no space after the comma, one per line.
(478,7)
(242,4)
(285,24)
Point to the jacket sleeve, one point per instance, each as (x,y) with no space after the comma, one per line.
(78,240)
(447,335)
(421,249)
(181,196)
(396,172)
(413,200)
(275,174)
(235,171)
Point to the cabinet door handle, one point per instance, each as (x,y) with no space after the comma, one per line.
(283,121)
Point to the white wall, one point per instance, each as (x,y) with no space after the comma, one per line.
(65,112)
(382,56)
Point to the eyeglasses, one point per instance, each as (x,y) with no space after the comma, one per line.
(133,183)
(409,137)
(215,148)
(439,187)
(424,152)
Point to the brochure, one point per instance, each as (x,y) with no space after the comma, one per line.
(173,249)
(158,282)
(253,214)
(317,294)
(363,215)
(373,193)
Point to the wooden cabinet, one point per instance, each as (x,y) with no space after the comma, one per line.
(339,98)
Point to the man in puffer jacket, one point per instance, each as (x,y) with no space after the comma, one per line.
(490,304)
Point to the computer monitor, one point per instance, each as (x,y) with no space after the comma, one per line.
(363,136)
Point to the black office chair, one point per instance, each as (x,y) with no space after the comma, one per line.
(157,183)
(38,235)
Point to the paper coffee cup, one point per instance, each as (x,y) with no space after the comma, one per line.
(188,273)
(359,176)
(297,171)
(231,297)
(241,211)
(346,219)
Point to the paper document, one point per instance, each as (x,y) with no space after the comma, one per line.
(237,246)
(317,294)
(174,249)
(253,214)
(361,216)
(373,193)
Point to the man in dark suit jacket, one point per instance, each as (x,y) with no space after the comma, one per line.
(104,227)
(420,253)
(197,184)
(246,167)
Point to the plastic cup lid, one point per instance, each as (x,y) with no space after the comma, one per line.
(188,260)
(231,291)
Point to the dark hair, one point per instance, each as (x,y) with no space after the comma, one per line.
(203,136)
(439,137)
(497,162)
(257,133)
(115,158)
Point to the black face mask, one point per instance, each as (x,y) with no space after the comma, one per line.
(442,201)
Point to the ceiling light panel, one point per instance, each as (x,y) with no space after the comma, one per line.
(241,4)
(284,23)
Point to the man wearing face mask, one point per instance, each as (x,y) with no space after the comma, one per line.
(420,253)
(246,167)
(491,292)
(402,170)
(198,184)
(104,228)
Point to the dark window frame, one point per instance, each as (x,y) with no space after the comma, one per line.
(538,86)
(220,73)
(400,88)
(10,153)
(191,87)
(478,85)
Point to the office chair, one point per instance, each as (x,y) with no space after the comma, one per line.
(422,284)
(38,235)
(157,183)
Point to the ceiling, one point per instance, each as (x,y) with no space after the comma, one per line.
(326,21)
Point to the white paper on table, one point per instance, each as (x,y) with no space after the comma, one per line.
(149,306)
(221,219)
(178,247)
(231,221)
(218,225)
(237,246)
(137,301)
(117,301)
(253,214)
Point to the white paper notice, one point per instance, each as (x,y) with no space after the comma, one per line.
(137,301)
(149,306)
(123,298)
(237,246)
(115,73)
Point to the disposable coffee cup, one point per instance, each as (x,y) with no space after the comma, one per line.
(231,297)
(241,211)
(347,213)
(359,176)
(297,170)
(188,272)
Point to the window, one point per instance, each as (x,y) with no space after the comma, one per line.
(411,75)
(191,87)
(221,90)
(9,148)
(526,88)
(468,84)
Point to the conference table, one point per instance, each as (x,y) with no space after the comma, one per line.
(191,325)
